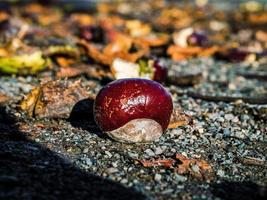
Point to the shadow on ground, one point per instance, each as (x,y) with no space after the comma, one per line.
(30,171)
(82,117)
(239,190)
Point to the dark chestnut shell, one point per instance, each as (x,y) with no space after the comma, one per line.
(160,73)
(124,100)
(197,39)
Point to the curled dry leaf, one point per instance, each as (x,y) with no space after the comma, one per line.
(179,118)
(54,99)
(90,71)
(180,53)
(82,19)
(95,53)
(119,48)
(261,36)
(154,40)
(65,62)
(3,98)
(137,28)
(197,168)
(168,163)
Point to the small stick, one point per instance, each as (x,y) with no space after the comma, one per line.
(229,99)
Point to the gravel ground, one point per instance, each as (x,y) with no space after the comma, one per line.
(48,159)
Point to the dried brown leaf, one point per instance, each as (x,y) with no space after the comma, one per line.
(3,98)
(180,53)
(197,168)
(54,99)
(65,62)
(90,71)
(179,118)
(162,162)
(29,102)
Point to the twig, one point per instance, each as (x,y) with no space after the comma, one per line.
(228,99)
(255,75)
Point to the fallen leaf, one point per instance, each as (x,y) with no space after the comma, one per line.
(3,98)
(163,162)
(23,64)
(28,104)
(179,118)
(180,53)
(54,99)
(261,36)
(90,71)
(154,40)
(199,169)
(120,48)
(182,165)
(65,62)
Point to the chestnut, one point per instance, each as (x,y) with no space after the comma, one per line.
(133,110)
(144,68)
(233,55)
(92,33)
(197,39)
(160,71)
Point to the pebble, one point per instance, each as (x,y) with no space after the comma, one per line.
(180,178)
(226,132)
(159,151)
(157,177)
(168,191)
(85,150)
(112,170)
(149,152)
(124,181)
(88,161)
(108,154)
(220,173)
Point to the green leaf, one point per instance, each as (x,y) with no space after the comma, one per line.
(23,64)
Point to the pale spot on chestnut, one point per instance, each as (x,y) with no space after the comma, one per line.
(139,110)
(137,130)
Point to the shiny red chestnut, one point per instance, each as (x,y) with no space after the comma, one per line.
(236,55)
(133,110)
(92,33)
(160,72)
(197,39)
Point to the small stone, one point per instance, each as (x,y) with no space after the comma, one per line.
(220,173)
(235,120)
(88,161)
(86,150)
(148,188)
(168,191)
(220,119)
(149,152)
(112,170)
(124,181)
(108,154)
(180,178)
(239,135)
(114,164)
(157,177)
(229,117)
(133,155)
(159,151)
(226,132)
(201,130)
